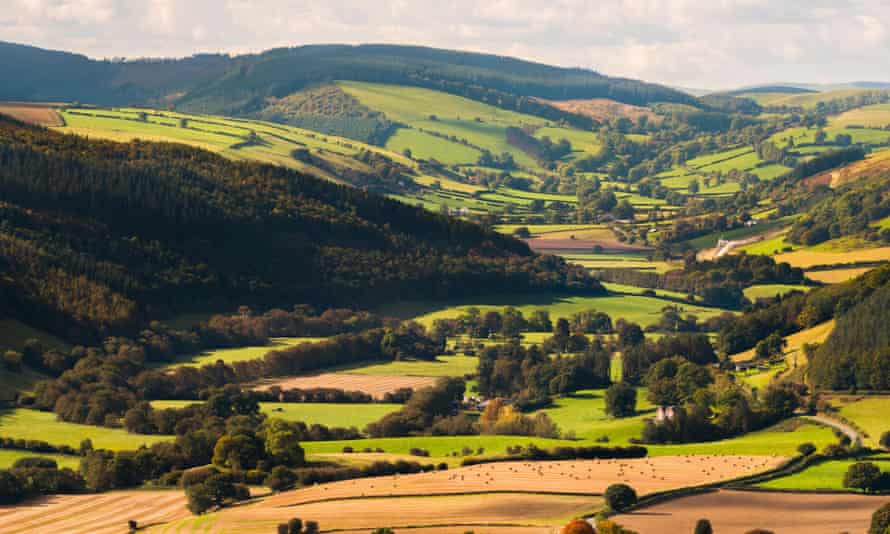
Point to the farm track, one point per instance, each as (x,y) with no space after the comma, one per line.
(849,431)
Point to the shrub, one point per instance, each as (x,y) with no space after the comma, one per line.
(880,520)
(35,461)
(578,526)
(620,497)
(703,526)
(621,400)
(806,449)
(863,475)
(885,440)
(281,478)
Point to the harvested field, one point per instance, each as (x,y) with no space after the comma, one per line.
(446,513)
(809,258)
(40,114)
(587,477)
(374,385)
(477,529)
(105,513)
(796,341)
(735,512)
(603,109)
(836,276)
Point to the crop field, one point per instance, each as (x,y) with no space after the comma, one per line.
(23,423)
(772,290)
(442,366)
(867,412)
(639,309)
(824,476)
(836,276)
(455,513)
(537,230)
(735,512)
(587,477)
(9,457)
(104,513)
(333,414)
(374,385)
(241,354)
(806,258)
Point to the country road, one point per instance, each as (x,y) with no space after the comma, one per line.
(852,433)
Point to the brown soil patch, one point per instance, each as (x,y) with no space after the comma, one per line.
(105,513)
(603,109)
(736,512)
(373,385)
(40,114)
(476,529)
(591,477)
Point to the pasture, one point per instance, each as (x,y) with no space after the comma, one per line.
(240,354)
(23,423)
(10,456)
(374,385)
(771,290)
(104,513)
(824,476)
(331,414)
(836,276)
(873,116)
(456,513)
(735,512)
(869,413)
(636,308)
(807,258)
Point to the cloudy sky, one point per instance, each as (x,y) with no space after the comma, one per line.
(691,43)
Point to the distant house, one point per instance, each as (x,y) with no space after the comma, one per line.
(665,413)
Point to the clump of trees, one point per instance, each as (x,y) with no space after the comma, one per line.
(620,497)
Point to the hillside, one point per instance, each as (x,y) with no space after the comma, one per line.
(243,84)
(101,236)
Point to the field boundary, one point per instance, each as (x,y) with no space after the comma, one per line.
(426,495)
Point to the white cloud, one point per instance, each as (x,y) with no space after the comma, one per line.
(714,43)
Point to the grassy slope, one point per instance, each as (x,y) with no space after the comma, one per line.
(9,457)
(771,290)
(824,476)
(329,414)
(31,424)
(240,354)
(868,413)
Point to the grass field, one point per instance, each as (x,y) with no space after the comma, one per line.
(824,476)
(441,366)
(429,147)
(736,512)
(768,247)
(868,413)
(874,116)
(795,343)
(329,414)
(771,290)
(241,354)
(584,414)
(639,309)
(9,457)
(23,423)
(806,258)
(836,276)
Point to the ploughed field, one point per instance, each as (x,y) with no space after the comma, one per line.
(736,512)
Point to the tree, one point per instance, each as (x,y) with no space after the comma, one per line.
(620,497)
(806,449)
(294,526)
(282,443)
(885,440)
(863,475)
(621,400)
(236,452)
(820,136)
(773,345)
(703,526)
(11,488)
(578,526)
(880,520)
(281,478)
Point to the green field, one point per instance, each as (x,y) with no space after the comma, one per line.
(825,476)
(241,354)
(771,290)
(9,457)
(342,415)
(639,309)
(22,423)
(584,413)
(868,413)
(768,247)
(429,147)
(442,366)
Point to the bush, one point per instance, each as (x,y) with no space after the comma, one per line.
(620,497)
(863,475)
(880,520)
(806,449)
(703,526)
(281,478)
(578,526)
(885,440)
(621,400)
(35,462)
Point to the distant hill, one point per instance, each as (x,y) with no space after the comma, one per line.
(242,84)
(784,89)
(99,237)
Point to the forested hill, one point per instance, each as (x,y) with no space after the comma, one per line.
(223,84)
(98,237)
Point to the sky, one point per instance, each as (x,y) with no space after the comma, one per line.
(708,44)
